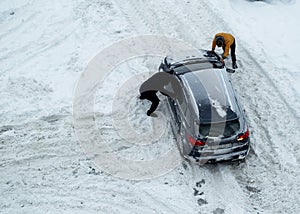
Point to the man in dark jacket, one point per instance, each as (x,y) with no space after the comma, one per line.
(226,41)
(165,83)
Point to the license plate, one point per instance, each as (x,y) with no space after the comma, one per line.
(220,146)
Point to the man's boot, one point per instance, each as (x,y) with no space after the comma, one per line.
(234,65)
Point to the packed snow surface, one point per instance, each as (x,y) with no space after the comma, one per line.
(45,47)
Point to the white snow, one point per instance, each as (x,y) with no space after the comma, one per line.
(45,47)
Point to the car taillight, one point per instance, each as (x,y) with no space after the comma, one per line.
(243,136)
(195,142)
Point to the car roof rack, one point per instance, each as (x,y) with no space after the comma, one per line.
(205,57)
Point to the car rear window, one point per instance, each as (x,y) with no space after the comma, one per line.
(223,129)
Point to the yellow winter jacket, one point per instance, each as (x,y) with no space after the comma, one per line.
(229,39)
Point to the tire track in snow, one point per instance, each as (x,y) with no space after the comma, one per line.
(132,11)
(181,31)
(24,20)
(272,166)
(33,34)
(54,42)
(24,23)
(179,26)
(136,14)
(196,30)
(131,14)
(267,162)
(216,22)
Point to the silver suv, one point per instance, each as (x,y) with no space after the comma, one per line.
(206,115)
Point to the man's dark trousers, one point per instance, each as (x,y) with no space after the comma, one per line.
(152,97)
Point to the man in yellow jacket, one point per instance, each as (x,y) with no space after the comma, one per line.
(226,41)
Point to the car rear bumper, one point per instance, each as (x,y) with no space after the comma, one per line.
(205,154)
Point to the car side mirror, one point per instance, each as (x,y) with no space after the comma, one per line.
(167,61)
(165,68)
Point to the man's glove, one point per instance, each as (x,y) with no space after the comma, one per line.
(210,53)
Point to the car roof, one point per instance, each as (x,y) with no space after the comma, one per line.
(192,60)
(213,94)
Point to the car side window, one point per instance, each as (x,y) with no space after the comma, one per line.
(183,104)
(188,114)
(185,107)
(181,99)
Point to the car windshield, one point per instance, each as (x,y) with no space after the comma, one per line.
(223,129)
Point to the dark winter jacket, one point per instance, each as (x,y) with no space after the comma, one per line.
(163,82)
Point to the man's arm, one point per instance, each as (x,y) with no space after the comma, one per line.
(226,51)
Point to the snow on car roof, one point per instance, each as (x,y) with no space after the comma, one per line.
(213,95)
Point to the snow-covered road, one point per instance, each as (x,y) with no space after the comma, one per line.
(44,48)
